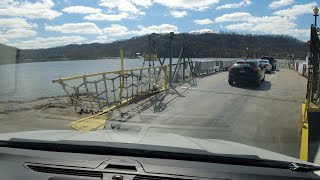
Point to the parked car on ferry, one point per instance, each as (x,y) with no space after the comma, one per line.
(272,61)
(247,71)
(266,65)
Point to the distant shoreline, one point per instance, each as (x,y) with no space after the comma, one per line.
(22,61)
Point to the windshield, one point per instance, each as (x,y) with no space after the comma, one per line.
(245,64)
(160,72)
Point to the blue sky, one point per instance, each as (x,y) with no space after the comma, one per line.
(49,23)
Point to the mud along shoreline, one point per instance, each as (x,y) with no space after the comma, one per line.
(51,113)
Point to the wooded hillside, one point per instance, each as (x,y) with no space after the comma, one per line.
(199,45)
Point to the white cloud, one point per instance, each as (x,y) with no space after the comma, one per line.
(49,42)
(144,3)
(103,39)
(280,3)
(116,30)
(37,10)
(4,3)
(187,4)
(122,6)
(81,10)
(240,26)
(296,10)
(15,23)
(237,16)
(17,33)
(178,14)
(265,24)
(203,21)
(107,17)
(13,28)
(128,7)
(272,28)
(235,5)
(75,28)
(4,41)
(163,28)
(202,31)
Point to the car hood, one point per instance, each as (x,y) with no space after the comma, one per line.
(159,139)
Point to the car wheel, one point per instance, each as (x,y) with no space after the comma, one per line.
(230,81)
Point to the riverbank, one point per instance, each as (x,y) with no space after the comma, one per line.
(42,114)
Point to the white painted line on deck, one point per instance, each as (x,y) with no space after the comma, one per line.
(275,74)
(271,77)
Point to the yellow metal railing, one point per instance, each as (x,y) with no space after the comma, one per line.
(94,93)
(103,73)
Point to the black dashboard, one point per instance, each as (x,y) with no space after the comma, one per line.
(22,164)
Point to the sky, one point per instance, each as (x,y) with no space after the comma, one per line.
(31,24)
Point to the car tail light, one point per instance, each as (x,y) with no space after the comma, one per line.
(256,69)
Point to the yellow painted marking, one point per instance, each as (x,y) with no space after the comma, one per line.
(89,124)
(304,135)
(93,122)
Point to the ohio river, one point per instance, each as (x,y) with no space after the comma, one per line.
(29,81)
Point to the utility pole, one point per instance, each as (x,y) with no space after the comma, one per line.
(315,14)
(313,69)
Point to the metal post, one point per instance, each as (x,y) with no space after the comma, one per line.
(166,84)
(149,58)
(178,64)
(122,74)
(315,20)
(170,62)
(247,53)
(184,70)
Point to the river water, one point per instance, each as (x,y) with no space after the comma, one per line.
(29,81)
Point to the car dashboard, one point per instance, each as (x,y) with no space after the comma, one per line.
(24,164)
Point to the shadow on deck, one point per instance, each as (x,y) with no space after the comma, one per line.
(265,86)
(314,137)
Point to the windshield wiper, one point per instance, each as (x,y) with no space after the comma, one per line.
(302,167)
(152,151)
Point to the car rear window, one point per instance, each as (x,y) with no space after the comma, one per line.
(244,64)
(268,58)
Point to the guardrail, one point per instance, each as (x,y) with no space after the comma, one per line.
(93,92)
(283,64)
(211,66)
(301,67)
